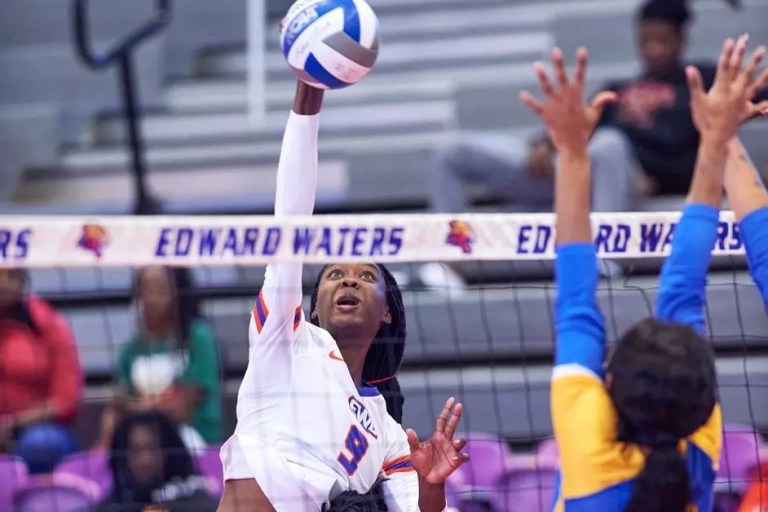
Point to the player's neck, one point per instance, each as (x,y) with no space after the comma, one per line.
(354,356)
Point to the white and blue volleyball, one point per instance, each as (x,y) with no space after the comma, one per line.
(330,44)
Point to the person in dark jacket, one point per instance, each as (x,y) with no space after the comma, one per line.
(151,467)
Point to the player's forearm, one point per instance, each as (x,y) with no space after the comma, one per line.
(707,183)
(297,170)
(431,497)
(755,236)
(743,184)
(684,275)
(572,197)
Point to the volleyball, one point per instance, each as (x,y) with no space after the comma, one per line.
(330,44)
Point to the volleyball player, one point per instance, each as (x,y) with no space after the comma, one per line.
(310,428)
(642,431)
(749,201)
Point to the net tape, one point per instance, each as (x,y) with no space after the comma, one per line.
(258,240)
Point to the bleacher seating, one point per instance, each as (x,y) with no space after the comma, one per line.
(426,84)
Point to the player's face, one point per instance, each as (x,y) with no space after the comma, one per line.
(11,287)
(156,293)
(661,45)
(352,301)
(145,456)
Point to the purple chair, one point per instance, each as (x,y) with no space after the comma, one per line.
(742,450)
(527,489)
(13,475)
(92,465)
(56,493)
(209,465)
(548,452)
(489,458)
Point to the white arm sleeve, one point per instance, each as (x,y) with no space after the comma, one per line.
(276,318)
(401,487)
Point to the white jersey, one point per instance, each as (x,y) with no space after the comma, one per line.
(305,432)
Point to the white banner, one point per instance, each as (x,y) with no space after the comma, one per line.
(137,241)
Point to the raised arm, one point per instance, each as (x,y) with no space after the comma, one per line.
(749,201)
(717,115)
(295,195)
(277,318)
(570,123)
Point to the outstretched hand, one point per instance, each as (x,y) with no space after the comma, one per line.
(719,113)
(569,120)
(439,456)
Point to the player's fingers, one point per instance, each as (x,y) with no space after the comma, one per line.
(724,60)
(579,76)
(532,103)
(603,99)
(558,62)
(462,458)
(754,62)
(737,57)
(544,83)
(459,444)
(442,418)
(695,83)
(758,109)
(757,85)
(413,440)
(453,422)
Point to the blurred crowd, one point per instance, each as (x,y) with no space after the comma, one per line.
(645,144)
(166,405)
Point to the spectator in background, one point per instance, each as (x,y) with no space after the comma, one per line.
(41,382)
(647,136)
(171,364)
(152,469)
(645,144)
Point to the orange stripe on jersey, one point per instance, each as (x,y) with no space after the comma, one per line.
(260,313)
(399,465)
(297,318)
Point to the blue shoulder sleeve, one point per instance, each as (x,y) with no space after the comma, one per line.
(578,322)
(754,232)
(682,290)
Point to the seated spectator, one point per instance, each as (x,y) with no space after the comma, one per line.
(171,364)
(41,381)
(152,469)
(646,142)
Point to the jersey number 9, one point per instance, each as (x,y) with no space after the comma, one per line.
(357,446)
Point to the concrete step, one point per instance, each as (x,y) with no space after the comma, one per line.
(339,119)
(194,184)
(100,160)
(396,56)
(220,95)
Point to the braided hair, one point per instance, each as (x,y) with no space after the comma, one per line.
(178,462)
(664,388)
(386,352)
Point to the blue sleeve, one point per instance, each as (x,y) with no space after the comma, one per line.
(682,290)
(578,322)
(754,232)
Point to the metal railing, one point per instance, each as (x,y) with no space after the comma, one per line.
(121,54)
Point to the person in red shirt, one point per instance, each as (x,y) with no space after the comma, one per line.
(41,381)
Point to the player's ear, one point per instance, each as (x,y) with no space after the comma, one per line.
(387,319)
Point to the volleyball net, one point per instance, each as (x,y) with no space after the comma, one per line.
(489,344)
